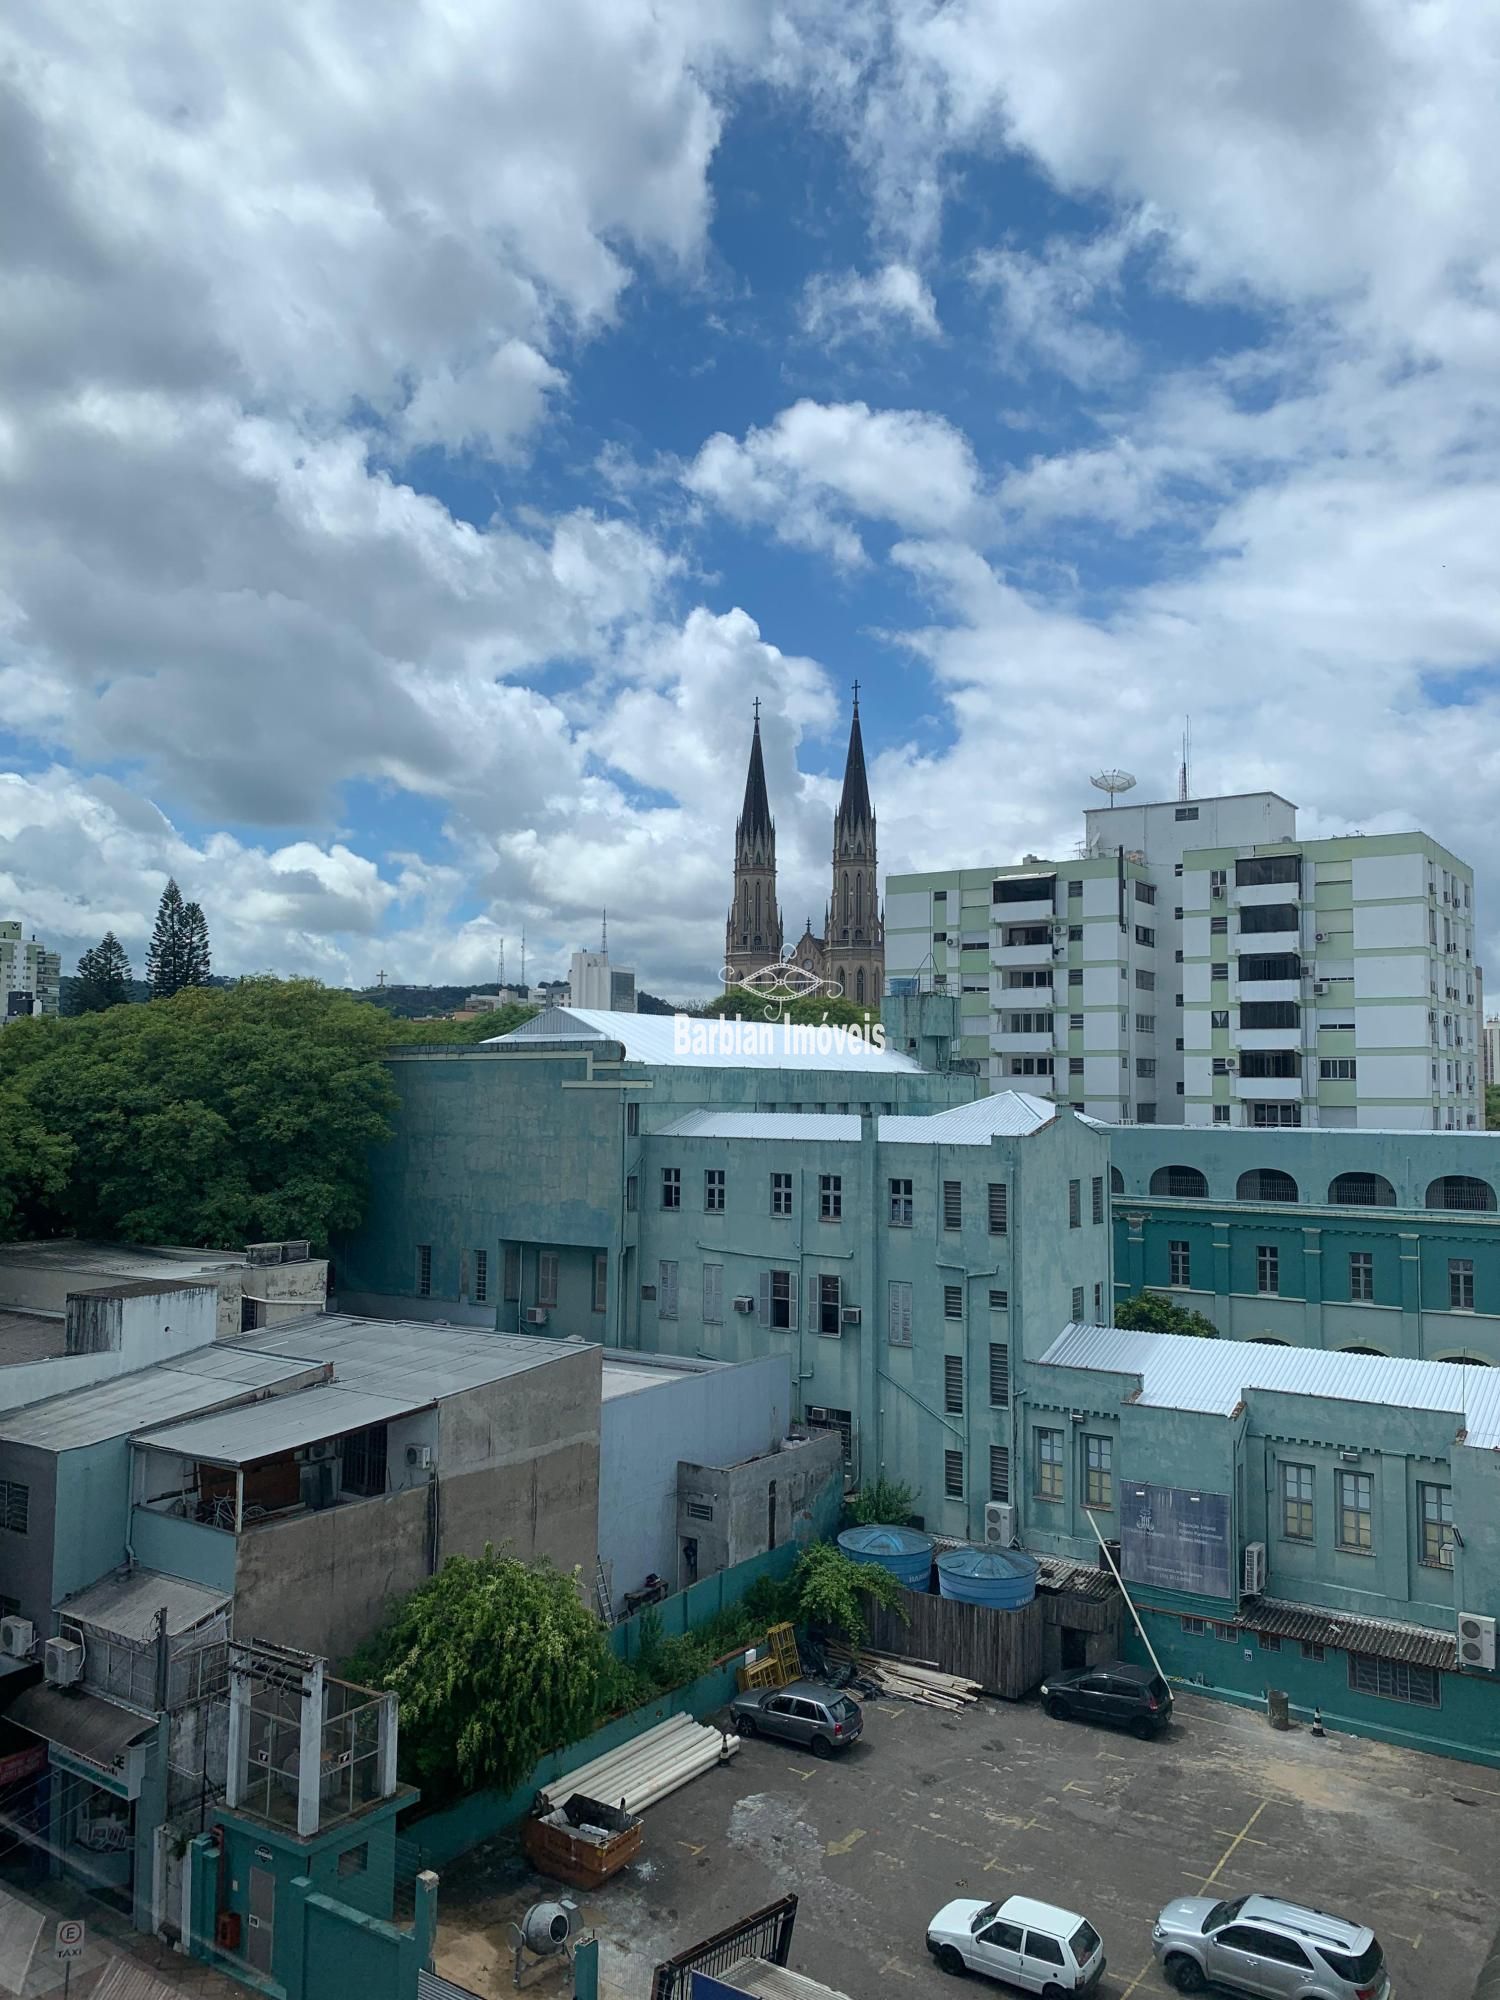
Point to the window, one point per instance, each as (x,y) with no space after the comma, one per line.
(1098,1303)
(547,1264)
(1221,1631)
(778,1292)
(632,1119)
(999,1208)
(1311,1650)
(1077,1303)
(830,1197)
(953,1205)
(999,1472)
(1075,1021)
(999,1375)
(1031,1065)
(601,1280)
(1144,934)
(1179,1261)
(1218,972)
(1033,979)
(481,1276)
(511,1274)
(355,1860)
(365,1461)
(1435,1520)
(1218,1017)
(1256,968)
(713,1295)
(666,1289)
(671,1187)
(1356,1516)
(1028,1024)
(1461,1284)
(898,1330)
(1075,976)
(1195,1628)
(1297,1503)
(1047,1949)
(1336,1069)
(1267,1268)
(1255,871)
(1075,1065)
(830,1305)
(1075,1204)
(1394,1680)
(424,1270)
(1460,1191)
(1180,1183)
(632,1194)
(953,1302)
(15,1506)
(1270,1642)
(953,1384)
(901,1204)
(1145,982)
(1221,1114)
(953,1474)
(1261,917)
(1218,926)
(1097,1197)
(1275,1114)
(1186,812)
(1075,888)
(1266,1184)
(1075,933)
(1049,1465)
(1145,1024)
(781,1194)
(1270,1062)
(1145,1065)
(1361,1275)
(1270,1014)
(1361,1191)
(1099,1473)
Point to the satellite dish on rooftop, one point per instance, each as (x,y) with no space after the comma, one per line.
(1113,782)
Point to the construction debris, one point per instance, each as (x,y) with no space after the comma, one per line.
(908,1680)
(647,1768)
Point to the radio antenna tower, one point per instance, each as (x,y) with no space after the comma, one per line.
(1187,753)
(604,933)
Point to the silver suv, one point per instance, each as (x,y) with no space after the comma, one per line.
(1262,1945)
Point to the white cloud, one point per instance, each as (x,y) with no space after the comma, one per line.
(895,299)
(1045,303)
(817,463)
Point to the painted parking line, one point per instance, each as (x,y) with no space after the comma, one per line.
(849,1840)
(1242,1835)
(1138,1978)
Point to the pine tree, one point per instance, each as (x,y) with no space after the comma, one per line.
(197,962)
(167,957)
(103,977)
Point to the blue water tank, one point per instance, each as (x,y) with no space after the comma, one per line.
(1002,1578)
(903,1551)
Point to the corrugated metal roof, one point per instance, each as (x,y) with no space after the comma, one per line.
(763,1125)
(97,1730)
(765,1981)
(1183,1372)
(1006,1114)
(1388,1638)
(130,1403)
(652,1038)
(279,1424)
(419,1359)
(126,1606)
(433,1986)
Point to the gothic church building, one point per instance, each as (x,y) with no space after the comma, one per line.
(851,950)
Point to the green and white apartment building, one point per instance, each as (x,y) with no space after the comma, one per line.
(1196,963)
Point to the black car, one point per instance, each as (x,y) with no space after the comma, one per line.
(1133,1698)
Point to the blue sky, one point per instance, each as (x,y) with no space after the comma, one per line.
(416,456)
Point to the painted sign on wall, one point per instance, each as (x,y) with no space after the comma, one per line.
(1176,1538)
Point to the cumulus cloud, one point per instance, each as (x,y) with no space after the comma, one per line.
(893,300)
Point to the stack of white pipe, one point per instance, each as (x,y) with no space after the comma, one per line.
(649,1767)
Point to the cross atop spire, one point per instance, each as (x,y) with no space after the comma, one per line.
(757,708)
(856,697)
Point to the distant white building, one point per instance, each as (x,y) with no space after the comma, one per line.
(30,976)
(593,982)
(1492,1049)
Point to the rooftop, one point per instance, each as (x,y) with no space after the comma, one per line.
(253,1431)
(1005,1114)
(419,1361)
(31,1336)
(649,1371)
(194,1382)
(126,1605)
(653,1038)
(1183,1372)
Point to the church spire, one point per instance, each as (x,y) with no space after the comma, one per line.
(755,814)
(753,933)
(854,805)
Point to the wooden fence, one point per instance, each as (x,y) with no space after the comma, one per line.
(1007,1652)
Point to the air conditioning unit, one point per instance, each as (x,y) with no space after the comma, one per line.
(324,1448)
(63,1661)
(1319,937)
(1253,1582)
(851,1315)
(419,1456)
(744,1304)
(536,1315)
(1217,892)
(1476,1641)
(1231,1064)
(999,1524)
(816,1414)
(1445,1556)
(16,1636)
(1320,986)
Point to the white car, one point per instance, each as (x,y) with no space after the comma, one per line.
(1034,1946)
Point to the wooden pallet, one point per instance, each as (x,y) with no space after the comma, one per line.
(763,1673)
(783,1642)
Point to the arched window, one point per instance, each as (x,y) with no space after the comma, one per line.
(1463,1360)
(1361,1191)
(1265,1184)
(1460,1191)
(846,896)
(859,986)
(859,898)
(1116,1181)
(1267,1340)
(1362,1350)
(1180,1183)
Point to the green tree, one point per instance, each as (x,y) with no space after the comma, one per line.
(831,1587)
(166,956)
(103,977)
(1492,1107)
(883,1503)
(34,1162)
(496,1663)
(1149,1312)
(197,959)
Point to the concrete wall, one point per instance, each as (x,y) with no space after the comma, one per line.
(26,1560)
(141,1329)
(323,1581)
(754,1506)
(93,1514)
(722,1415)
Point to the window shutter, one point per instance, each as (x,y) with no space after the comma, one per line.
(998,1208)
(953,1384)
(899,1313)
(765,1298)
(953,1205)
(791,1307)
(999,1472)
(713,1294)
(999,1373)
(666,1296)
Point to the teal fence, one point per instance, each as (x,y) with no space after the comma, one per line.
(442,1836)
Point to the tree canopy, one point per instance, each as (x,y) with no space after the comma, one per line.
(496,1662)
(1149,1312)
(104,978)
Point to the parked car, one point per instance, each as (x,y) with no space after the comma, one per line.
(1262,1945)
(1032,1945)
(1134,1698)
(808,1712)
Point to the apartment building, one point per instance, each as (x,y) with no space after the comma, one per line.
(30,975)
(1204,966)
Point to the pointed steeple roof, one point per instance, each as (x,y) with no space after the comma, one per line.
(755,814)
(854,805)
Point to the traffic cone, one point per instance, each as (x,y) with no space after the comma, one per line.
(1317,1722)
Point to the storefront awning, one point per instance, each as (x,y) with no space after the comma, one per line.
(98,1731)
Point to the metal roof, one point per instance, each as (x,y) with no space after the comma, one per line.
(278,1424)
(652,1038)
(98,1731)
(131,1402)
(764,1981)
(628,1378)
(762,1125)
(421,1360)
(126,1606)
(1388,1638)
(1185,1372)
(1006,1114)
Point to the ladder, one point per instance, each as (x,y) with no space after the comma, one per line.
(601,1593)
(783,1642)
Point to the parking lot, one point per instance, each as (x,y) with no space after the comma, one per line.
(999,1800)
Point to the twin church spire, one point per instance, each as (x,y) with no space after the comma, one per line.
(851,949)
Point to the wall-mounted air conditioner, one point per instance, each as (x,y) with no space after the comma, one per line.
(744,1304)
(1320,986)
(1319,937)
(536,1315)
(1476,1641)
(999,1524)
(1445,1556)
(851,1315)
(419,1457)
(1217,892)
(816,1414)
(324,1448)
(1253,1582)
(16,1637)
(63,1660)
